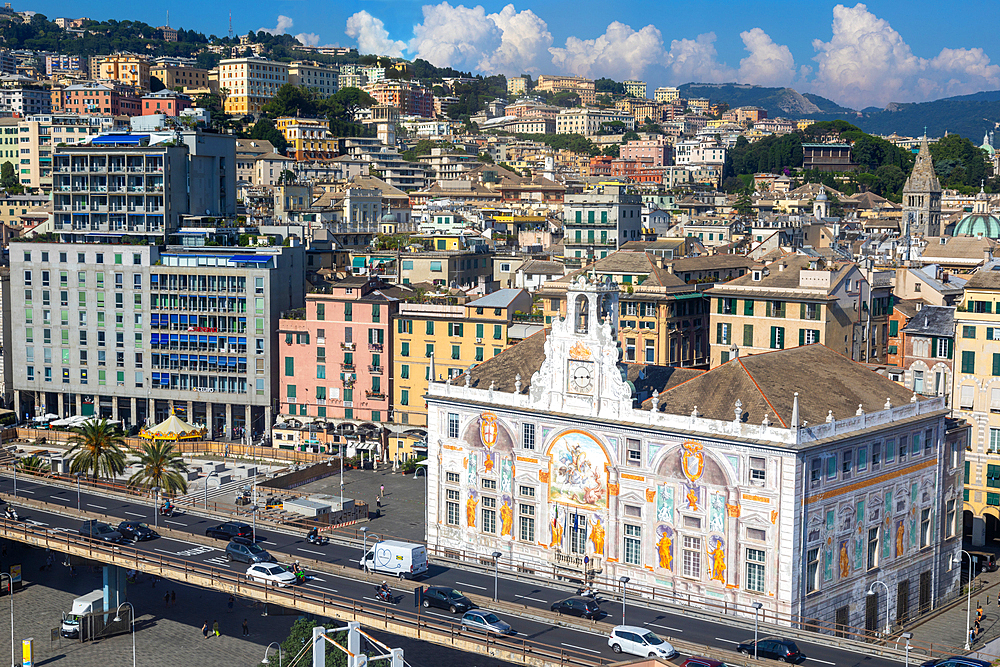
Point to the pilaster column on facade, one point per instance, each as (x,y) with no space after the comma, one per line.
(78,403)
(133,404)
(114,408)
(229,420)
(614,535)
(268,420)
(189,415)
(17,404)
(62,410)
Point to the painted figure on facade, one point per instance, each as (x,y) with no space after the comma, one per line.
(557,532)
(597,535)
(506,518)
(717,552)
(665,547)
(579,475)
(844,560)
(900,531)
(470,509)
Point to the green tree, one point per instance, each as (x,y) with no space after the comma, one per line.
(291,100)
(33,464)
(96,449)
(299,641)
(8,177)
(160,465)
(744,204)
(889,180)
(264,129)
(614,150)
(604,85)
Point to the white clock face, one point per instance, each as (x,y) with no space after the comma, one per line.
(581,377)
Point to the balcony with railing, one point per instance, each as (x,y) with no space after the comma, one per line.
(347,347)
(375,347)
(377,370)
(349,368)
(374,395)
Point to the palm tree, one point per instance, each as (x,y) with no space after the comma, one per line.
(33,464)
(162,467)
(97,448)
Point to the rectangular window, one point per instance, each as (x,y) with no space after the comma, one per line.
(404,396)
(748,334)
(968,362)
(452,507)
(497,332)
(452,425)
(872,548)
(528,436)
(777,338)
(949,519)
(527,522)
(489,514)
(847,463)
(289,366)
(890,451)
(755,570)
(758,471)
(862,458)
(812,570)
(633,545)
(691,557)
(748,307)
(925,528)
(968,332)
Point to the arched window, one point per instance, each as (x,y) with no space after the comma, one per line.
(582,314)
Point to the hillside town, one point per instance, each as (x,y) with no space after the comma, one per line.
(540,291)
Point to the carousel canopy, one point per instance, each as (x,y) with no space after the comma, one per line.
(173,428)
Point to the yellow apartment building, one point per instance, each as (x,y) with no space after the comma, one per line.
(976,398)
(444,340)
(663,320)
(130,70)
(308,138)
(801,300)
(249,83)
(188,79)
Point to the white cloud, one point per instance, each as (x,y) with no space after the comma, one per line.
(308,38)
(867,62)
(769,64)
(372,36)
(695,60)
(459,37)
(620,53)
(524,45)
(285,24)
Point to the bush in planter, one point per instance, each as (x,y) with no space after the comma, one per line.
(410,465)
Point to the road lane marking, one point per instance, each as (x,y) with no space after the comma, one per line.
(580,648)
(35,523)
(720,639)
(176,523)
(26,491)
(273,544)
(62,500)
(462,583)
(665,627)
(525,597)
(332,590)
(823,661)
(100,507)
(308,551)
(141,516)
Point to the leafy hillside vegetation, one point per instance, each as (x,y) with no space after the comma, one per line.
(968,117)
(777,101)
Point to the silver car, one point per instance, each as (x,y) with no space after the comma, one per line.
(486,621)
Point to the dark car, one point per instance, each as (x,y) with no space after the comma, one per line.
(782,650)
(443,597)
(230,529)
(698,661)
(577,606)
(955,661)
(245,551)
(137,531)
(98,530)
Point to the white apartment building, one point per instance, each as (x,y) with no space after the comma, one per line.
(250,82)
(697,152)
(588,122)
(666,94)
(319,78)
(38,134)
(635,89)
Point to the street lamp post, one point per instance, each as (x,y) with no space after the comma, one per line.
(207,477)
(156,507)
(907,636)
(77,492)
(496,575)
(118,618)
(871,591)
(756,610)
(968,604)
(624,581)
(253,511)
(10,592)
(264,661)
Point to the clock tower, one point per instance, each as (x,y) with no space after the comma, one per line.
(581,372)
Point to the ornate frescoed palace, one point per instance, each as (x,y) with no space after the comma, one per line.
(795,479)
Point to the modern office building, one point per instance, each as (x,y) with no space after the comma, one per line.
(132,332)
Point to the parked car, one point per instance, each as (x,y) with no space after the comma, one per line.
(577,606)
(98,530)
(486,621)
(443,597)
(230,529)
(243,550)
(698,661)
(639,641)
(270,573)
(773,648)
(955,661)
(137,531)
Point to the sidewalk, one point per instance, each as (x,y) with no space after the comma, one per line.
(949,630)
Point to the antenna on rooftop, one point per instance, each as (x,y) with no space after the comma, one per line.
(230,25)
(168,18)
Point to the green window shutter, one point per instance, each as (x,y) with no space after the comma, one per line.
(802,332)
(966,472)
(748,335)
(289,366)
(802,312)
(933,347)
(968,362)
(893,328)
(988,306)
(774,332)
(718,333)
(748,307)
(781,338)
(719,306)
(479,331)
(996,364)
(951,348)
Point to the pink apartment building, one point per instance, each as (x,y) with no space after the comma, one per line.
(334,358)
(644,150)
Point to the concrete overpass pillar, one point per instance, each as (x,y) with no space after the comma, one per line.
(319,647)
(354,657)
(115,587)
(978,531)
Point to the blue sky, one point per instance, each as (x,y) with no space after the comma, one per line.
(856,54)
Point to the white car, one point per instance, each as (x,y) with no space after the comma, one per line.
(270,573)
(639,641)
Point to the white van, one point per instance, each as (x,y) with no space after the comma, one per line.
(639,641)
(398,559)
(85,604)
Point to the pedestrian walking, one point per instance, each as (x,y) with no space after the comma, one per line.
(173,597)
(979,611)
(215,628)
(166,599)
(154,580)
(246,630)
(381,490)
(204,629)
(230,603)
(378,501)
